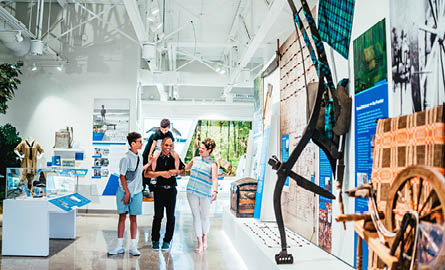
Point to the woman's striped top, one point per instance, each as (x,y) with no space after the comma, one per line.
(200,181)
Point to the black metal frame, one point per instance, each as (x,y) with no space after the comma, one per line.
(333,148)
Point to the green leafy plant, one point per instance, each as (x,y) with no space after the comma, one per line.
(9,139)
(8,83)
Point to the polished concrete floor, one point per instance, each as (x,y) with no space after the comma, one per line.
(96,233)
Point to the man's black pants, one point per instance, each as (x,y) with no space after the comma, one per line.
(164,198)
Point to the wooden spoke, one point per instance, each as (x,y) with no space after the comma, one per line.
(419,194)
(426,201)
(435,209)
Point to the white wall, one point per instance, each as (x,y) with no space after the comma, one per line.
(48,99)
(197,111)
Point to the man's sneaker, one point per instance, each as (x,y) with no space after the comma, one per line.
(165,246)
(134,252)
(116,251)
(155,245)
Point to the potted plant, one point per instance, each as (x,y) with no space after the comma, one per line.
(8,83)
(9,139)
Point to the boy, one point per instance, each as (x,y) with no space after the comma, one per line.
(162,133)
(129,193)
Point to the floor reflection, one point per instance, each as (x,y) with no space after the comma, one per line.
(96,234)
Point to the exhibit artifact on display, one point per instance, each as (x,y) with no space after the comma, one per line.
(406,194)
(242,196)
(327,105)
(29,151)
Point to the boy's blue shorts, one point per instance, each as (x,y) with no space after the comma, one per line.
(134,206)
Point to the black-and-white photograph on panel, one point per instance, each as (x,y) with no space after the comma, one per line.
(111,120)
(418,55)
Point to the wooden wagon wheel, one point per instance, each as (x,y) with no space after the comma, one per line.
(418,189)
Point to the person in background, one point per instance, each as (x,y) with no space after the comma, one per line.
(129,194)
(162,133)
(164,194)
(201,189)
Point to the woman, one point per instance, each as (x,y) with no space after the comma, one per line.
(201,189)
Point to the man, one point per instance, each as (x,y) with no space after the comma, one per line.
(103,112)
(129,194)
(164,194)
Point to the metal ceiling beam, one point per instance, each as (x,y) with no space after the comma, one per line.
(104,21)
(272,15)
(204,44)
(182,78)
(62,3)
(136,20)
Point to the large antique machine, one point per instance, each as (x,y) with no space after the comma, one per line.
(406,195)
(329,110)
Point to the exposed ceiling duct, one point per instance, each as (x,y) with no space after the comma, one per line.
(14,41)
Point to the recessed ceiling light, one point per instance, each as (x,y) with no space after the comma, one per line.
(159,25)
(223,71)
(59,67)
(218,69)
(34,67)
(155,11)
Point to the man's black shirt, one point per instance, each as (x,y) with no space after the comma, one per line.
(166,163)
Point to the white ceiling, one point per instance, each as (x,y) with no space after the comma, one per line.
(207,34)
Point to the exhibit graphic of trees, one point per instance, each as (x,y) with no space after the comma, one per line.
(299,206)
(370,57)
(231,142)
(258,94)
(111,120)
(418,55)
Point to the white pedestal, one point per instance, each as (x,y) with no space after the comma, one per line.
(28,225)
(25,227)
(258,256)
(62,224)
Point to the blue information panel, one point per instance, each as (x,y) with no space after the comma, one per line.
(324,177)
(285,144)
(68,202)
(370,105)
(261,174)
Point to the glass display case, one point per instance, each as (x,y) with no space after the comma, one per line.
(23,182)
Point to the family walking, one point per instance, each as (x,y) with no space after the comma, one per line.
(159,166)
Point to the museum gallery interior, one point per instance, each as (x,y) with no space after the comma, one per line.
(236,134)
